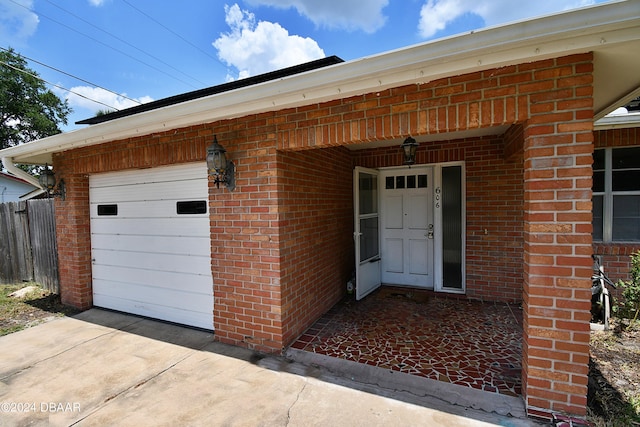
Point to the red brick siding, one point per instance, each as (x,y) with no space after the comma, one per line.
(495,97)
(494,210)
(74,242)
(558,147)
(316,216)
(245,241)
(616,256)
(629,137)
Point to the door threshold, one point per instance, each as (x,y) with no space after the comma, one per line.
(430,289)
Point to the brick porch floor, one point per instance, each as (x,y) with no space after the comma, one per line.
(422,333)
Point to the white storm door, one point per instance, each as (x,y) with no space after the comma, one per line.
(408,227)
(366,234)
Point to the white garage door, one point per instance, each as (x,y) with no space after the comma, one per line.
(150,243)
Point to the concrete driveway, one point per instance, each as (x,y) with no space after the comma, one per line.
(104,368)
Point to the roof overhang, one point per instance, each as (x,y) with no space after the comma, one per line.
(611,31)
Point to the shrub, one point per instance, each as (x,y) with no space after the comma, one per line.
(629,306)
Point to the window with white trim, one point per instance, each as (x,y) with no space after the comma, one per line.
(616,195)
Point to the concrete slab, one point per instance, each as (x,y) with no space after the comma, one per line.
(104,368)
(414,389)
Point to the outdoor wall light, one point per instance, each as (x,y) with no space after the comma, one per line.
(223,170)
(409,147)
(47,180)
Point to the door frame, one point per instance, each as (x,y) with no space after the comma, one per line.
(438,285)
(439,252)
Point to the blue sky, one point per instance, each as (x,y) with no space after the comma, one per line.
(122,52)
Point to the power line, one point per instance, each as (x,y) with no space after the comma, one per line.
(104,44)
(124,41)
(76,77)
(172,32)
(56,85)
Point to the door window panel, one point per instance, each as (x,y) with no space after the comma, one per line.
(368,194)
(390,183)
(368,238)
(452,226)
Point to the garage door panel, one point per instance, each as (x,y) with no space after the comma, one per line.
(186,226)
(187,245)
(188,301)
(147,259)
(194,283)
(152,261)
(151,209)
(174,173)
(150,191)
(198,319)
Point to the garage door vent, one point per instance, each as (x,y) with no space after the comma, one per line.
(192,207)
(107,210)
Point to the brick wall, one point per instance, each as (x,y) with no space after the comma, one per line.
(494,209)
(316,216)
(245,256)
(74,240)
(558,148)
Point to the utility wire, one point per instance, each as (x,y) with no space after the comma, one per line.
(171,31)
(56,85)
(124,41)
(76,77)
(104,44)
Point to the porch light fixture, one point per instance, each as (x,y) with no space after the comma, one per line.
(223,170)
(409,147)
(47,180)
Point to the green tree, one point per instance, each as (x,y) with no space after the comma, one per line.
(28,110)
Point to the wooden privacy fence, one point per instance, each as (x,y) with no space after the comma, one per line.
(28,249)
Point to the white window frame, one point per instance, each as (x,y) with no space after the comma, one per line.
(607,197)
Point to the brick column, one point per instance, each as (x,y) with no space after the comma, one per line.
(73,235)
(558,147)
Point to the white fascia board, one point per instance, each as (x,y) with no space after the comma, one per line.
(578,31)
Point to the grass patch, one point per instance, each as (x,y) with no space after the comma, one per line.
(36,306)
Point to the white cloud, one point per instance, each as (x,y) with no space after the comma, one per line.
(17,22)
(435,15)
(111,100)
(256,48)
(345,14)
(96,3)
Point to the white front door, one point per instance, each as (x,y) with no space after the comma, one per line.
(407,231)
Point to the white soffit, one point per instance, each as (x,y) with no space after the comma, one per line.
(611,30)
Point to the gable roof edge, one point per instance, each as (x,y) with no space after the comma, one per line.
(562,34)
